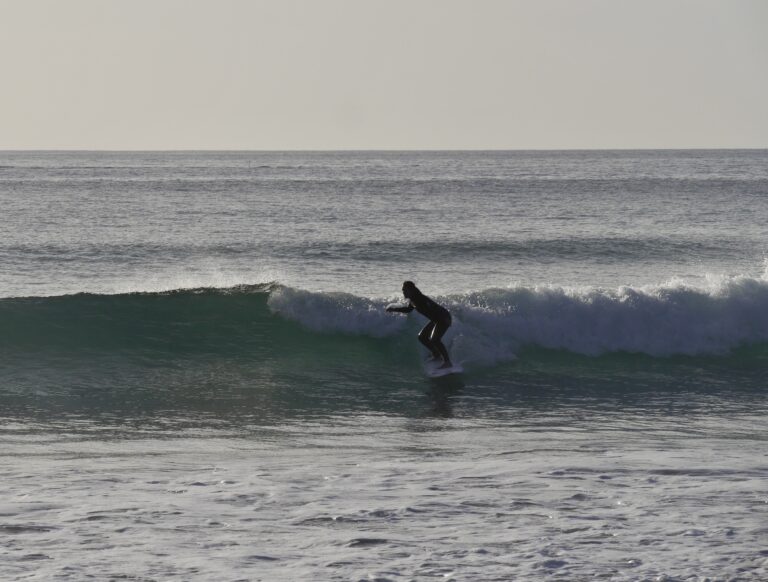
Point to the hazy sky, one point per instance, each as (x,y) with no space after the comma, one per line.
(348,74)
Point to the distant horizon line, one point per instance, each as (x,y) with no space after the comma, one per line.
(362,150)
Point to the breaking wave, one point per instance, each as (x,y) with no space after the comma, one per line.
(490,325)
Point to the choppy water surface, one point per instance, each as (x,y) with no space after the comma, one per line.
(538,494)
(363,221)
(198,380)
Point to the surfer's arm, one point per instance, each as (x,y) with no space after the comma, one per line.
(404,309)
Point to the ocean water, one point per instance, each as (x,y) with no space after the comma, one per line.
(199,381)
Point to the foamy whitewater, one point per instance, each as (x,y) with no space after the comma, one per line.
(199,380)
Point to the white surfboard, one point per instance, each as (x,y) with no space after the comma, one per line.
(434,370)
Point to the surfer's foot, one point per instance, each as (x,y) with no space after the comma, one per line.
(446,365)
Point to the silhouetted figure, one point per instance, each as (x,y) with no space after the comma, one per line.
(439,321)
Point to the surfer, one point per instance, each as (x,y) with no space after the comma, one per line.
(439,321)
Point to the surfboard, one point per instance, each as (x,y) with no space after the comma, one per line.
(434,370)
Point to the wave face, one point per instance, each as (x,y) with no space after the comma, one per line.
(164,323)
(489,326)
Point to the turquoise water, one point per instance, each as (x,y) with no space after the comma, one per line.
(198,378)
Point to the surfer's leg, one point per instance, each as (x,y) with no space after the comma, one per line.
(424,337)
(438,332)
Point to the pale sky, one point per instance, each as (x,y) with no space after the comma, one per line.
(391,74)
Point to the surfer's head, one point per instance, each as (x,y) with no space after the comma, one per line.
(409,289)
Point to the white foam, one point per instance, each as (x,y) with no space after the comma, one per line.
(492,325)
(662,320)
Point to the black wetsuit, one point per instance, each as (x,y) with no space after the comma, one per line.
(429,309)
(439,322)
